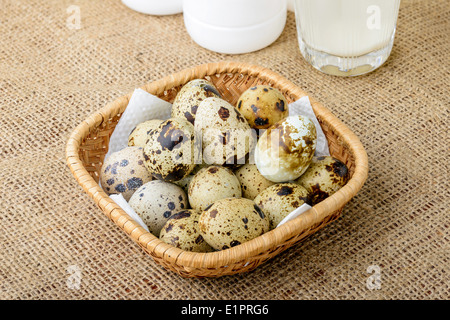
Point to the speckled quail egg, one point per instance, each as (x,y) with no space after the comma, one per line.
(262,106)
(252,182)
(324,177)
(156,201)
(123,172)
(232,221)
(138,136)
(169,151)
(189,97)
(181,231)
(285,150)
(211,184)
(281,199)
(226,137)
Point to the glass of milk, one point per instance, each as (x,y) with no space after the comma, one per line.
(346,37)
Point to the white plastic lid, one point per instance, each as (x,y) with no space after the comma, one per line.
(233,13)
(155,7)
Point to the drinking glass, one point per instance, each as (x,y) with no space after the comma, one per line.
(346,37)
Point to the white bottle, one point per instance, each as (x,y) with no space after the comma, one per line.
(234,26)
(155,7)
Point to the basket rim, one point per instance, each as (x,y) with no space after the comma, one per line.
(247,250)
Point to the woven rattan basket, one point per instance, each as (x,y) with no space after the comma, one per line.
(89,142)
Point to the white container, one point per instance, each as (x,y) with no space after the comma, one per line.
(234,26)
(346,37)
(155,7)
(291,5)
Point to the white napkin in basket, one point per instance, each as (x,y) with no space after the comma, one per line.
(143,106)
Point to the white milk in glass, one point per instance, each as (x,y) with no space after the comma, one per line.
(346,37)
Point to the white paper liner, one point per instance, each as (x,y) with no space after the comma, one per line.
(144,106)
(294,214)
(121,202)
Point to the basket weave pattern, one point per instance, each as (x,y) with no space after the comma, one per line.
(89,142)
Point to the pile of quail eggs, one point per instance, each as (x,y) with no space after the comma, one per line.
(215,175)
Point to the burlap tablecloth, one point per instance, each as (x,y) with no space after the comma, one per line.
(56,244)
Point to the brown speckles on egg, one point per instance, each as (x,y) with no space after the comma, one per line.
(261,122)
(281,199)
(189,117)
(224,113)
(182,231)
(134,183)
(120,188)
(169,136)
(171,205)
(325,176)
(285,190)
(169,152)
(213,169)
(138,136)
(168,227)
(189,97)
(234,243)
(281,105)
(234,222)
(213,213)
(262,106)
(259,211)
(122,173)
(209,206)
(114,168)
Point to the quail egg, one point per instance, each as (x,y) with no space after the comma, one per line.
(211,184)
(181,231)
(189,97)
(124,172)
(262,106)
(156,201)
(281,199)
(138,136)
(285,150)
(252,182)
(169,151)
(232,221)
(226,137)
(324,177)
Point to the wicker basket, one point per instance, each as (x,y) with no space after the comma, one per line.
(89,142)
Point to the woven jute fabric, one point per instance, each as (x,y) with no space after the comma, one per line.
(55,243)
